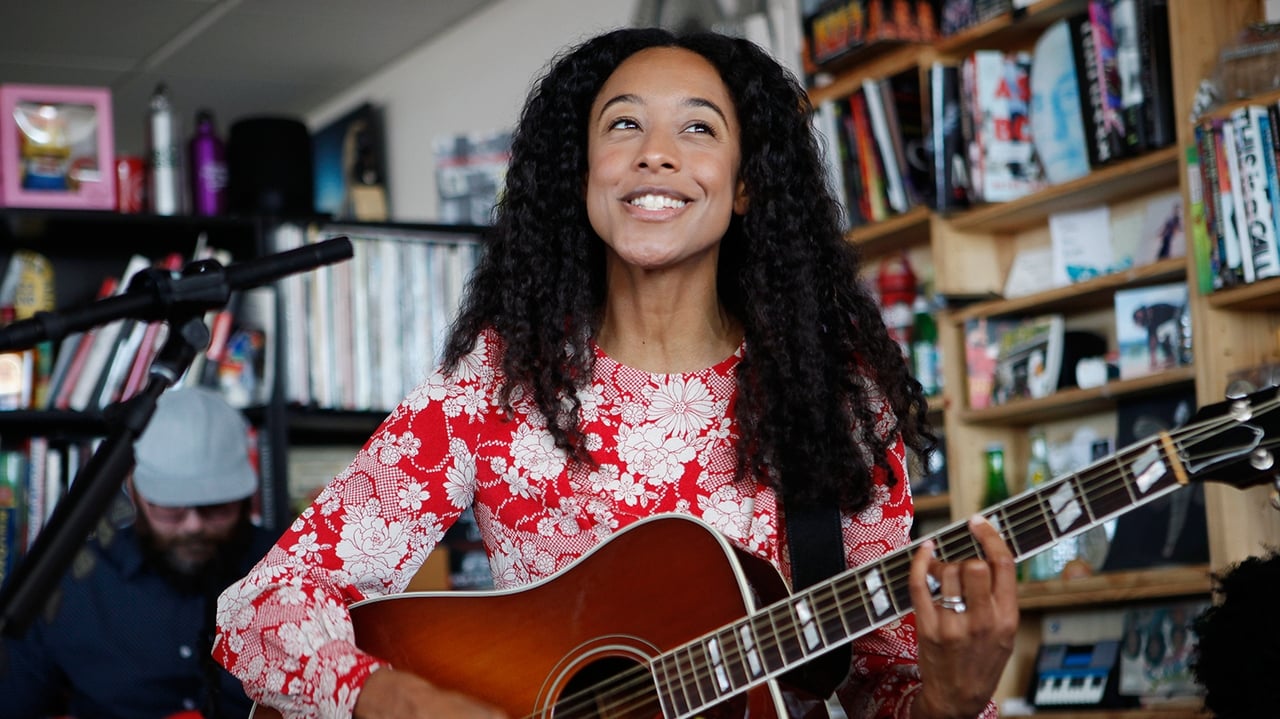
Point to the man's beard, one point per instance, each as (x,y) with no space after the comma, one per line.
(191,562)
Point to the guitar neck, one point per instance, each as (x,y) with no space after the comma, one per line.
(785,634)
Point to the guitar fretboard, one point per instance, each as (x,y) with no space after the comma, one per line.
(776,639)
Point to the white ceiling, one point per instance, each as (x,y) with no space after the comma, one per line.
(236,57)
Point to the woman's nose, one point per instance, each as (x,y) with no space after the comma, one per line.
(657,153)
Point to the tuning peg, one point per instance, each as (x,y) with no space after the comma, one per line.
(1239,389)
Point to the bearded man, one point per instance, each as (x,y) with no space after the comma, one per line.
(128,632)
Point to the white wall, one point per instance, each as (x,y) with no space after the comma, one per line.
(474,77)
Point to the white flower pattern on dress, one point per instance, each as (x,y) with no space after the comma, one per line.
(659,443)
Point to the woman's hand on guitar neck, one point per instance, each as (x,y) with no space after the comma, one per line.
(965,641)
(389,694)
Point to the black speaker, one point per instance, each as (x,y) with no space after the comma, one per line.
(269,167)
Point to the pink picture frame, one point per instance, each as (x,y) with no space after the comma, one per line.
(57,148)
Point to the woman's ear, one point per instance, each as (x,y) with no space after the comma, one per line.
(741,201)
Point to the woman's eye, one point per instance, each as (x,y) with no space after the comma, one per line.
(701,127)
(623,123)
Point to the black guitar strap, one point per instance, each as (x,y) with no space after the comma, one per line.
(817,553)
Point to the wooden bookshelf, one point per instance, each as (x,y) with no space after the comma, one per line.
(910,229)
(1075,401)
(1116,588)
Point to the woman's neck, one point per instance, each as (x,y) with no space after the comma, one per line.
(668,333)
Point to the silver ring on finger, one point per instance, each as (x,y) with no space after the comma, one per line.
(953,603)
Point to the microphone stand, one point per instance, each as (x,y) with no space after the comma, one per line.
(152,295)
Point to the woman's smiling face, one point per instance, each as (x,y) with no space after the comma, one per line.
(663,152)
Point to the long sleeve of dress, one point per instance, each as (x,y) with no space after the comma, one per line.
(284,629)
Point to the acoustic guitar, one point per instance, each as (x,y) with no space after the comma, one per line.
(667,619)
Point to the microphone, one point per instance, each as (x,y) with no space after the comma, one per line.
(156,294)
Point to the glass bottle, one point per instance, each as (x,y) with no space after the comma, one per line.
(924,347)
(997,487)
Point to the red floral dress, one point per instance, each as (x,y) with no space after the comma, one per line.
(663,443)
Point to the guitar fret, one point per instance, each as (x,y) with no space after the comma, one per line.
(864,618)
(683,699)
(1032,535)
(999,519)
(670,697)
(811,639)
(749,650)
(787,642)
(726,667)
(767,642)
(694,669)
(833,621)
(874,587)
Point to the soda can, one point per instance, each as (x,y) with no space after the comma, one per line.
(131,183)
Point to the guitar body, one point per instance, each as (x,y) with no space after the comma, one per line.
(655,585)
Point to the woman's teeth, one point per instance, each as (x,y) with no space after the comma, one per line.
(656,202)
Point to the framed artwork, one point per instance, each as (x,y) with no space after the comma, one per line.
(350,167)
(56,147)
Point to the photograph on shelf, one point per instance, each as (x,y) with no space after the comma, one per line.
(1153,329)
(350,167)
(1170,530)
(1030,359)
(1082,245)
(1162,232)
(981,350)
(1158,648)
(57,148)
(471,169)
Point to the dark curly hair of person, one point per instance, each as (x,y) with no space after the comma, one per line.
(813,334)
(1237,656)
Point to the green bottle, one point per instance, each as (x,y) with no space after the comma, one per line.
(997,486)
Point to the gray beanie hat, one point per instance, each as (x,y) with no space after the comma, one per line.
(195,451)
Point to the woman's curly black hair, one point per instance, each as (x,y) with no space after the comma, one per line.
(1237,653)
(813,334)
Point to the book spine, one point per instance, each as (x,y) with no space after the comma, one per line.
(1104,58)
(1091,109)
(1223,145)
(1206,160)
(12,516)
(1198,226)
(1126,24)
(1231,145)
(1157,71)
(869,161)
(1257,170)
(880,130)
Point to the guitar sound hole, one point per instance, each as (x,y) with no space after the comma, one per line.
(610,688)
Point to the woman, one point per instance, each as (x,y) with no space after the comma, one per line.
(667,321)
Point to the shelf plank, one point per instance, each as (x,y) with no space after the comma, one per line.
(882,60)
(1111,184)
(1116,587)
(1090,294)
(1075,401)
(1007,30)
(932,504)
(1257,296)
(900,232)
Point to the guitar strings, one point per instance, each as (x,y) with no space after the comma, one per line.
(643,678)
(637,683)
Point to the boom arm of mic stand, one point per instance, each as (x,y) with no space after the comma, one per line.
(94,487)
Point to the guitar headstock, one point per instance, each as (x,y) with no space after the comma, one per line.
(1234,441)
